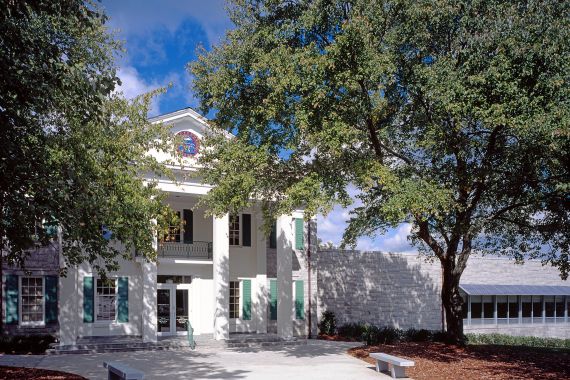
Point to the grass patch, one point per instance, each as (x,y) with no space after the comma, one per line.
(525,341)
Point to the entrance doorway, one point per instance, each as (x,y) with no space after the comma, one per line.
(173,309)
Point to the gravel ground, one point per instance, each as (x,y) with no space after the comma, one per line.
(438,361)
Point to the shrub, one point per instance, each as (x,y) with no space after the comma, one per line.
(508,340)
(24,344)
(352,330)
(327,325)
(413,335)
(389,335)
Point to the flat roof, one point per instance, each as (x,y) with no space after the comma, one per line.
(515,290)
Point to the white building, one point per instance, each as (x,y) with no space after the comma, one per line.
(223,275)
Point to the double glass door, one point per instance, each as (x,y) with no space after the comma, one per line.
(172,308)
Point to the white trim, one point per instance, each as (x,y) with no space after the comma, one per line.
(20,315)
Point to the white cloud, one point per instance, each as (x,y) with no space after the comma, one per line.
(141,16)
(132,84)
(331,227)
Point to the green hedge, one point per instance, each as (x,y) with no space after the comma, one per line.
(25,344)
(507,340)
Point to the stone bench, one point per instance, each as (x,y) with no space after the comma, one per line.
(396,366)
(120,371)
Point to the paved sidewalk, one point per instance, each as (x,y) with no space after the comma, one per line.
(316,360)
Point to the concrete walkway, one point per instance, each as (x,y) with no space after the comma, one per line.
(316,360)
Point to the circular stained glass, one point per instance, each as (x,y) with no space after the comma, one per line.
(190,144)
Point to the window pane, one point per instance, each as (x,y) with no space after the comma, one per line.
(560,308)
(513,308)
(527,309)
(32,300)
(234,230)
(106,299)
(502,307)
(488,307)
(536,309)
(476,307)
(549,307)
(234,299)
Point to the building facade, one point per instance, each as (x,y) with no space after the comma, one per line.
(223,275)
(220,274)
(403,291)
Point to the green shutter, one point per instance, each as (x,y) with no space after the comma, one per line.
(299,241)
(11,299)
(246,309)
(123,299)
(299,299)
(50,297)
(88,300)
(273,300)
(273,236)
(188,226)
(246,234)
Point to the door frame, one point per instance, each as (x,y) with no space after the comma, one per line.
(171,287)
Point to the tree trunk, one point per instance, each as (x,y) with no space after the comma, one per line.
(452,302)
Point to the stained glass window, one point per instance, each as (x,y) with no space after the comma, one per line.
(190,144)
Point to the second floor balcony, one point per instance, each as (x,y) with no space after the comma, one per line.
(195,250)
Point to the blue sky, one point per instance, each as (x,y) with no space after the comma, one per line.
(160,39)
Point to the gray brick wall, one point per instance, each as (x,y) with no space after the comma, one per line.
(41,261)
(403,290)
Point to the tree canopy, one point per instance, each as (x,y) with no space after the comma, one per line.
(73,152)
(449,115)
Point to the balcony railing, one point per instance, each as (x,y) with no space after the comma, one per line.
(196,250)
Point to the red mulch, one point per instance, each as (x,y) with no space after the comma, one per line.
(439,361)
(18,373)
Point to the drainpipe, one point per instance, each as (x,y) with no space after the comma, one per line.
(310,335)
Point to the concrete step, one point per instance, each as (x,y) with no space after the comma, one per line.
(90,346)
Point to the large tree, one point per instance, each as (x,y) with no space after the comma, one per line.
(449,115)
(73,151)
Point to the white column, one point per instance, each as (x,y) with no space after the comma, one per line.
(284,276)
(221,268)
(260,300)
(69,313)
(149,317)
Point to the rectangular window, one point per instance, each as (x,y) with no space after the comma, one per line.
(173,235)
(234,230)
(526,309)
(234,299)
(488,310)
(559,308)
(536,309)
(513,309)
(502,309)
(106,302)
(549,308)
(32,300)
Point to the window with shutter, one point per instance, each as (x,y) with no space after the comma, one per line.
(299,299)
(88,300)
(188,224)
(246,234)
(273,300)
(299,238)
(246,307)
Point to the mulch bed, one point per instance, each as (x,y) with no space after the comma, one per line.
(439,361)
(19,373)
